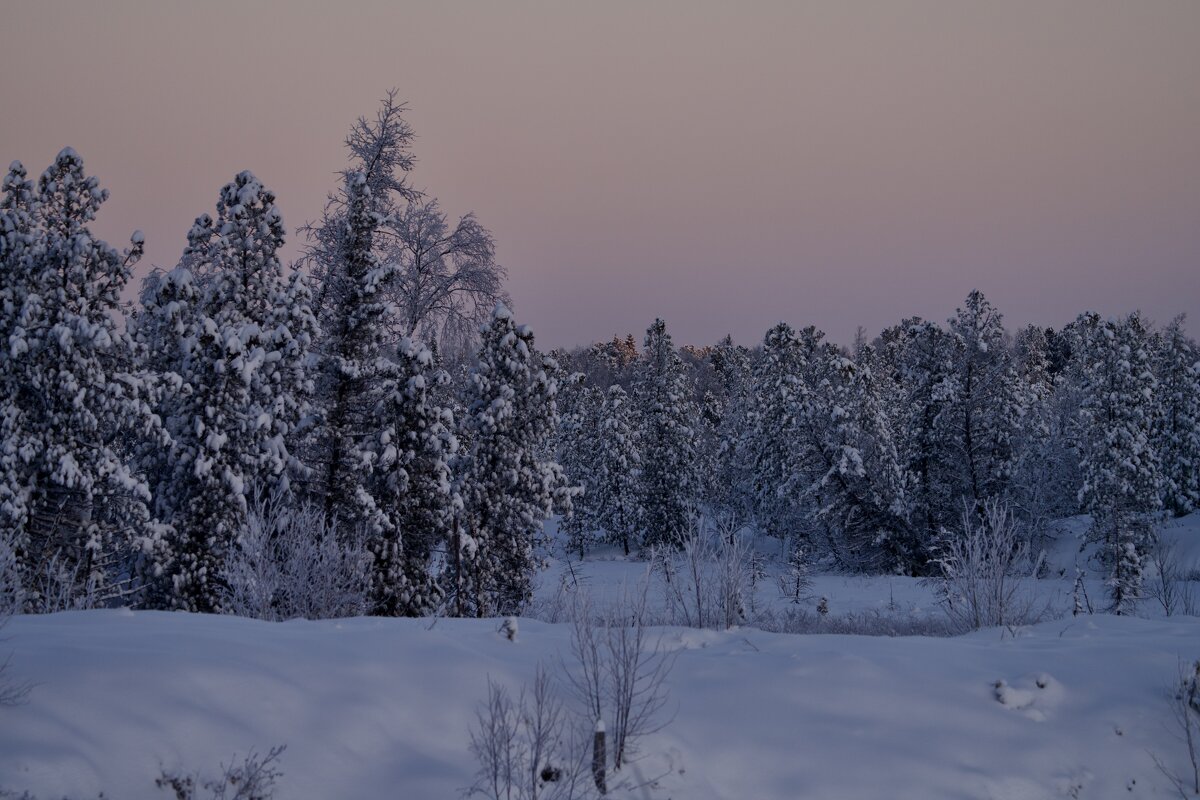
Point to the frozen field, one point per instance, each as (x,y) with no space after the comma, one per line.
(373,708)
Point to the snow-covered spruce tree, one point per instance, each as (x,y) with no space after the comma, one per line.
(412,482)
(618,467)
(352,369)
(668,416)
(1177,428)
(1122,473)
(507,484)
(981,413)
(877,525)
(231,329)
(847,471)
(73,402)
(578,431)
(729,492)
(920,354)
(773,407)
(383,438)
(1044,484)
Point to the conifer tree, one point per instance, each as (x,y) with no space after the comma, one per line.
(411,477)
(72,399)
(231,331)
(771,431)
(925,368)
(1177,428)
(353,369)
(670,484)
(508,485)
(618,471)
(981,412)
(578,431)
(1044,483)
(1121,469)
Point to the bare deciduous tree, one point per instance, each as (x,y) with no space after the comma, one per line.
(447,279)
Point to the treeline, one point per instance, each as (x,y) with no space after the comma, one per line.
(869,456)
(137,443)
(382,391)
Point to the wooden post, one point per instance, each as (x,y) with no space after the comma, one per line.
(599,758)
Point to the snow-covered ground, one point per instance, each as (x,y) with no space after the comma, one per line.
(372,708)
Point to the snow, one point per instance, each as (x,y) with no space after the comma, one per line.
(382,707)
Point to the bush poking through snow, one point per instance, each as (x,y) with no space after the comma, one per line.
(1185,708)
(1171,585)
(618,675)
(525,747)
(11,692)
(979,584)
(253,779)
(707,583)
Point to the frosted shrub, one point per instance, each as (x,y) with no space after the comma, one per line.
(525,747)
(59,587)
(293,562)
(1172,583)
(11,692)
(252,779)
(11,592)
(979,584)
(709,581)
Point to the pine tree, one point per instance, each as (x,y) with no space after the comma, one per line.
(411,477)
(847,471)
(508,485)
(618,471)
(729,491)
(771,429)
(1177,429)
(1044,484)
(578,433)
(1122,473)
(921,355)
(231,331)
(877,520)
(670,485)
(72,400)
(981,413)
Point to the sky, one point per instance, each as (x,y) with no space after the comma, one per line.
(721,165)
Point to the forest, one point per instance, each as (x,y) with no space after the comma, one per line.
(374,419)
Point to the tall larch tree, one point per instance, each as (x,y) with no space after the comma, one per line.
(353,369)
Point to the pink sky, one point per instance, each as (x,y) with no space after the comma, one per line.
(723,165)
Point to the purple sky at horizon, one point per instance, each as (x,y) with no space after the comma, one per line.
(722,165)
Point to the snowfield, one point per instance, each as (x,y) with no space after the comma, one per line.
(373,708)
